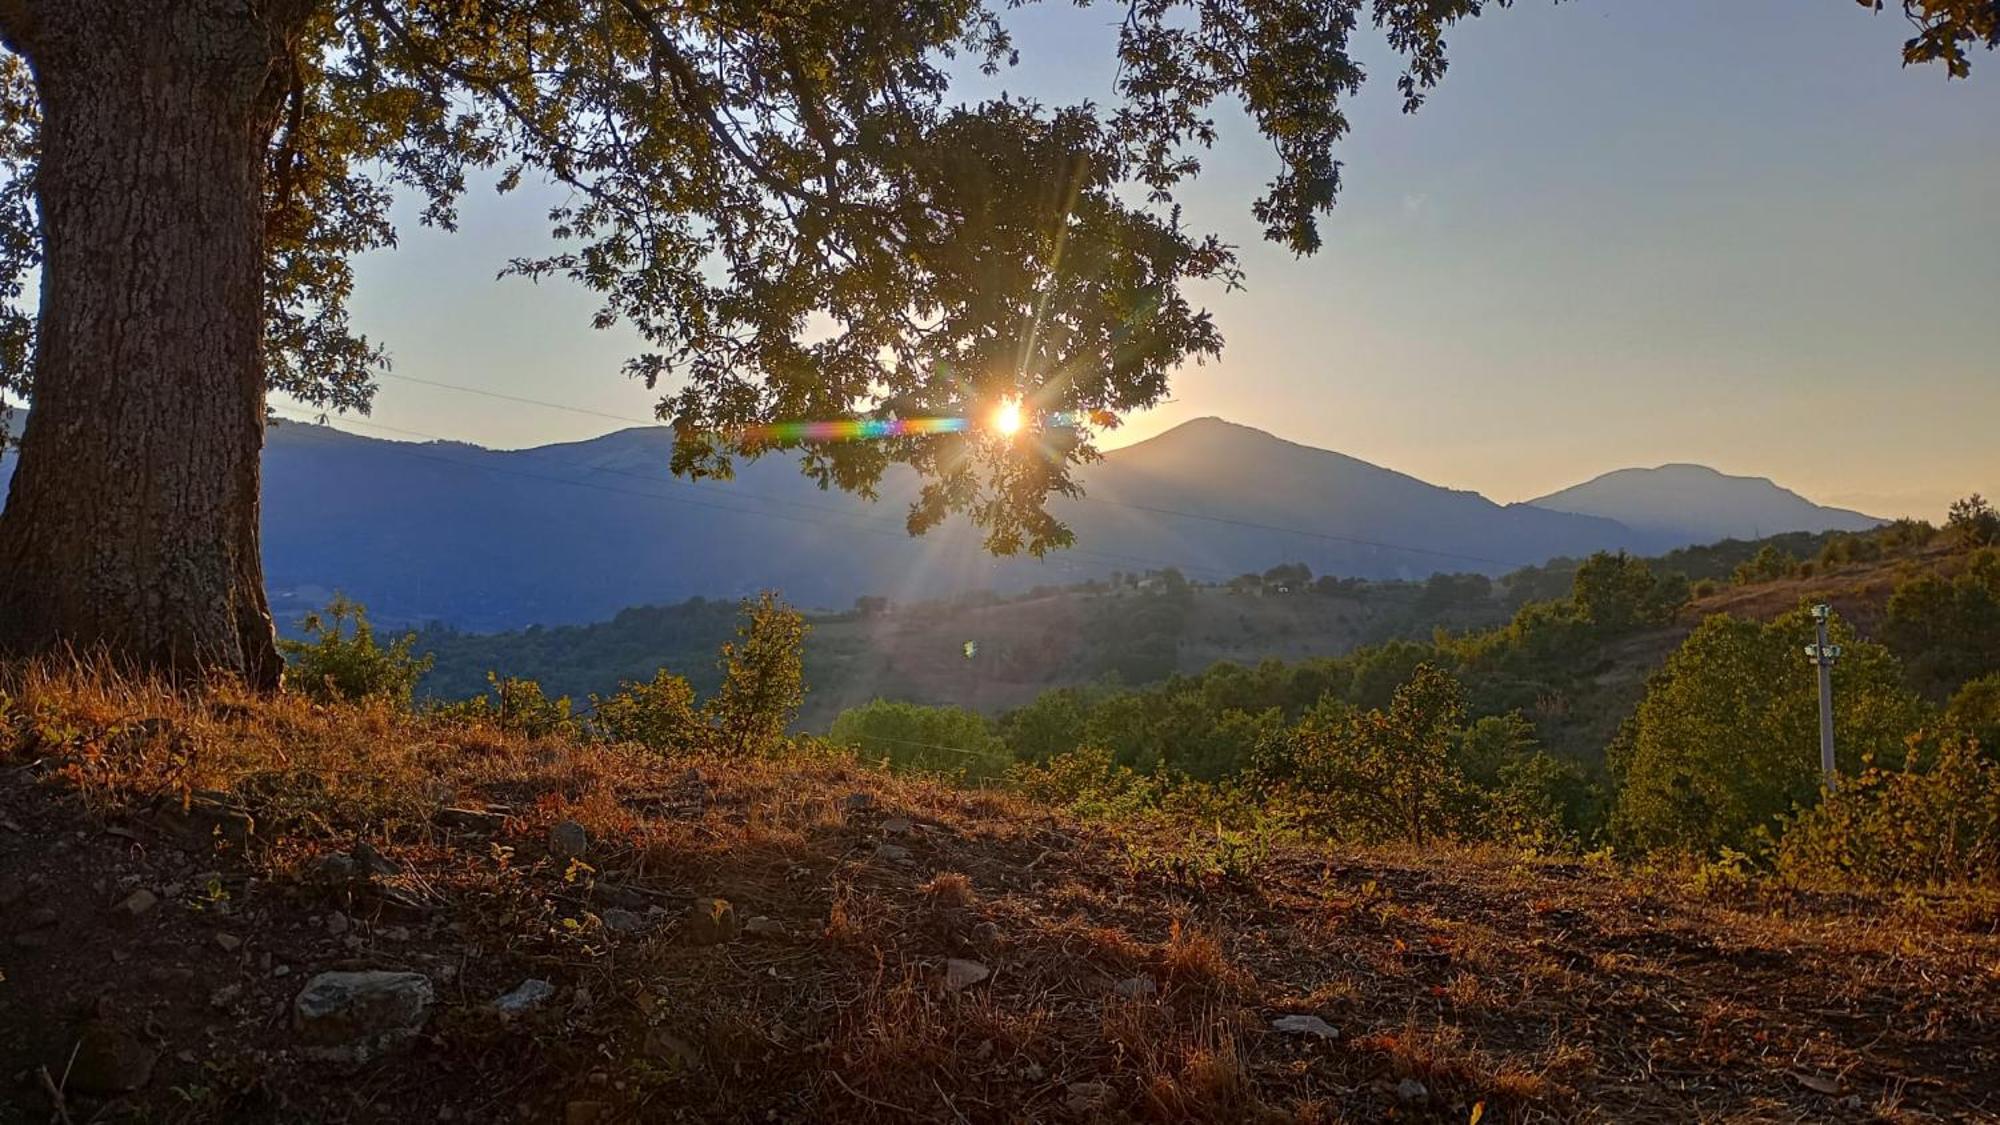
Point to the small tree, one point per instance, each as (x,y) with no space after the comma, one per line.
(1725,740)
(1768,565)
(763,680)
(1975,712)
(1378,775)
(659,714)
(1973,523)
(1616,593)
(340,659)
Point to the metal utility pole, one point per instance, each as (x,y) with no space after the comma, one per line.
(1824,656)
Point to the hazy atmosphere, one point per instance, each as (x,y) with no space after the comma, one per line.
(1622,233)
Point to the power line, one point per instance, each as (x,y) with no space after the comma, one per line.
(525,401)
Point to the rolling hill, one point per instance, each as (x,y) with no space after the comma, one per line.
(1697,504)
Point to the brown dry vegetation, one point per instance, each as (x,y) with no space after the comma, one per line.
(1458,980)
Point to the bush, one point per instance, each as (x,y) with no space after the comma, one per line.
(1726,739)
(1089,782)
(1768,565)
(523,709)
(1377,775)
(659,714)
(1935,823)
(911,737)
(1974,711)
(1948,630)
(335,663)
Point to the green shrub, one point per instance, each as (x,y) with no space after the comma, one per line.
(914,738)
(1974,711)
(1089,782)
(1934,823)
(1948,629)
(1768,565)
(1377,775)
(340,659)
(1726,739)
(521,708)
(659,714)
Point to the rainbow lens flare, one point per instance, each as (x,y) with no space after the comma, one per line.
(1006,421)
(864,429)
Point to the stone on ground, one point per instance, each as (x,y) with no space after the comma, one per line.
(961,974)
(568,840)
(1305,1025)
(362,1013)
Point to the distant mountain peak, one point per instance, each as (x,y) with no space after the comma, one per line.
(1700,503)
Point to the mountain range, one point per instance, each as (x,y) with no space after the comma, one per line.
(493,539)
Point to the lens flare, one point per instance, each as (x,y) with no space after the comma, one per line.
(1006,420)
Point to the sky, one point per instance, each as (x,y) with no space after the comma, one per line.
(1622,232)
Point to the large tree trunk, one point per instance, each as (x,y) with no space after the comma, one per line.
(131,524)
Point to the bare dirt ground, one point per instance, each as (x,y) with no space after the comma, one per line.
(175,873)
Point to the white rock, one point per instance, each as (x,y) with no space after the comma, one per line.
(961,974)
(359,1014)
(1305,1025)
(526,997)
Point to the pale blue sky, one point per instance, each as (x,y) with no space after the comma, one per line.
(1622,232)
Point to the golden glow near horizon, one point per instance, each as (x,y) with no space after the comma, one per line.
(1006,419)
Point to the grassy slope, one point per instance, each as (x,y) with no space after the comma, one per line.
(1543,990)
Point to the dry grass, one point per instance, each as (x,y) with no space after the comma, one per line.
(1537,990)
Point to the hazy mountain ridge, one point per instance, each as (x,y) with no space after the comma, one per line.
(575,531)
(1698,504)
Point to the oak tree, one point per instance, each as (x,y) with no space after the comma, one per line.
(783,197)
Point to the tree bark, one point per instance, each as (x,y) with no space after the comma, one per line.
(131,526)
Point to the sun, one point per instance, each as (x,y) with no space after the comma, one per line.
(1006,420)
